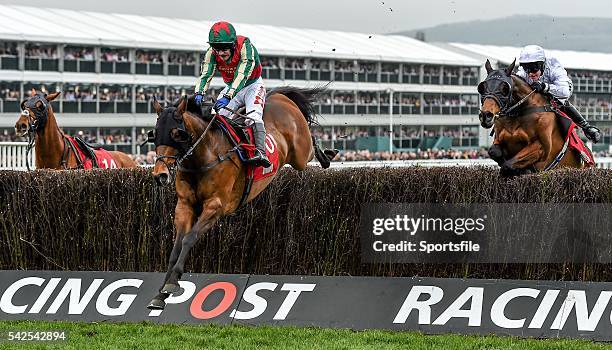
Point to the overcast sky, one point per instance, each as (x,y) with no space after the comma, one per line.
(368,16)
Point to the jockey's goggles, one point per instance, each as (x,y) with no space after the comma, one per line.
(533,67)
(222,46)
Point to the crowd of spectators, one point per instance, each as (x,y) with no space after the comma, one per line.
(115,94)
(343,66)
(41,51)
(149,56)
(9,93)
(319,65)
(389,68)
(8,48)
(83,93)
(78,53)
(268,62)
(348,156)
(580,74)
(593,102)
(181,58)
(115,55)
(295,63)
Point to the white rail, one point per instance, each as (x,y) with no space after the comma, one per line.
(13,155)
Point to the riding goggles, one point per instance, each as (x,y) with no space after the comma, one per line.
(222,46)
(533,67)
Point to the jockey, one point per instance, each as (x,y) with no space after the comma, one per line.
(546,75)
(238,62)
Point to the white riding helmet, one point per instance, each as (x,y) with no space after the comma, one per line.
(532,53)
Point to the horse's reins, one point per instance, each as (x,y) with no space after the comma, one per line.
(513,107)
(220,158)
(507,111)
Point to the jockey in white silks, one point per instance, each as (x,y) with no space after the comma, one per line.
(546,75)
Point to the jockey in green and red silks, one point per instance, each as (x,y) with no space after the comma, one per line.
(238,62)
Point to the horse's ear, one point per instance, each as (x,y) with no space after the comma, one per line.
(182,107)
(510,68)
(488,66)
(156,106)
(52,96)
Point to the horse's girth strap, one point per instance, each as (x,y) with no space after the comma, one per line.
(559,156)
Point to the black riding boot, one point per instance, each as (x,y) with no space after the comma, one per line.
(260,158)
(592,133)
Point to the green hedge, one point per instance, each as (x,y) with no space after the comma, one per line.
(304,223)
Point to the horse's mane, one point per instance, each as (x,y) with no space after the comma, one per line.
(520,78)
(305,99)
(192,107)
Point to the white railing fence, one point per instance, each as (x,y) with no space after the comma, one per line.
(13,156)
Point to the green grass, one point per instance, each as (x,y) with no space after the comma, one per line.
(101,336)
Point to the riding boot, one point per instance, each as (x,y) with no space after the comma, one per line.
(260,158)
(591,132)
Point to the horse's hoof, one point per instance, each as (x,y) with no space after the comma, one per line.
(170,289)
(156,304)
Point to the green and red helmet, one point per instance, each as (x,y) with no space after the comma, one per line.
(222,33)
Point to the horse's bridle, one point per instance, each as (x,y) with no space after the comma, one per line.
(36,122)
(185,148)
(41,114)
(503,101)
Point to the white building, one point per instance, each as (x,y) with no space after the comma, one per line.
(109,65)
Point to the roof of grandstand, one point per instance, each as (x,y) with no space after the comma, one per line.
(112,29)
(569,59)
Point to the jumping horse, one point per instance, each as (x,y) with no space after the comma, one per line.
(529,136)
(211,179)
(56,150)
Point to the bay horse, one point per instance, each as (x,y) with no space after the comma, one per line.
(54,149)
(528,137)
(210,178)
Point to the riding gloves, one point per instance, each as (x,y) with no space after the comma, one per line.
(198,98)
(538,86)
(222,102)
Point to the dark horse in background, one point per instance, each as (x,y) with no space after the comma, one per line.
(54,149)
(529,136)
(211,178)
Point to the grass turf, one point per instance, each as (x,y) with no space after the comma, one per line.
(153,336)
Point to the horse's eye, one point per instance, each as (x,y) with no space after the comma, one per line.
(505,89)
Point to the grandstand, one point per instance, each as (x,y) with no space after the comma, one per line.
(108,67)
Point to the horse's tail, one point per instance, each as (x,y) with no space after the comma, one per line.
(304,98)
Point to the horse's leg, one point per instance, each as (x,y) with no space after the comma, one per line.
(211,212)
(525,158)
(495,152)
(184,215)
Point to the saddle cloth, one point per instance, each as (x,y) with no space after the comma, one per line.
(575,143)
(92,157)
(241,135)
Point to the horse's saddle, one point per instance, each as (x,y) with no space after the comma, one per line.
(88,150)
(239,132)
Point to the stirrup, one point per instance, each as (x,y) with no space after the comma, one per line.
(259,159)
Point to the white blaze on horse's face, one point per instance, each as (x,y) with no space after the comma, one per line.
(23,123)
